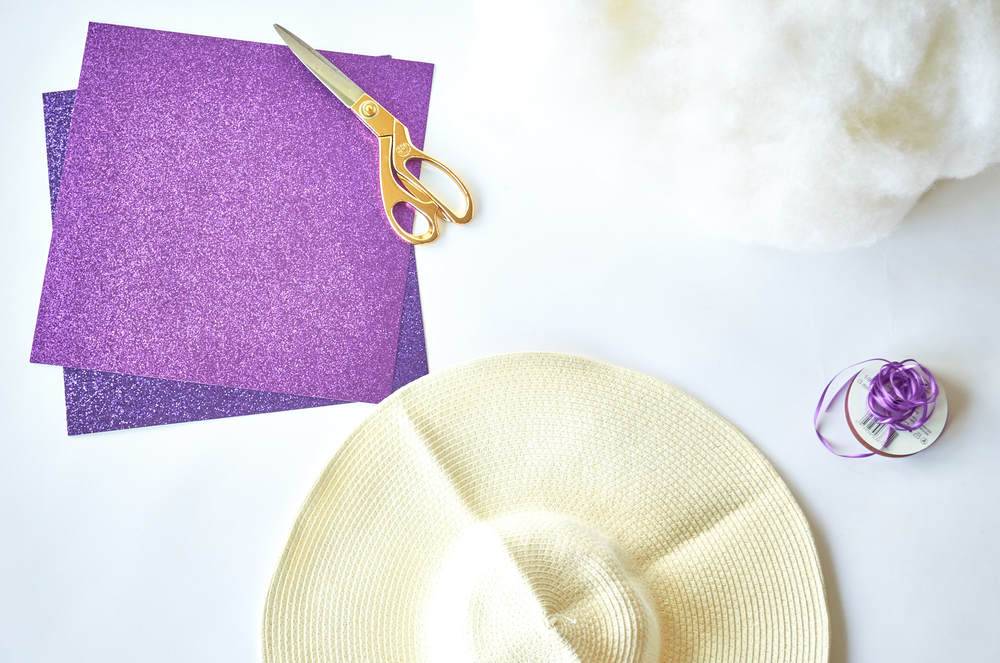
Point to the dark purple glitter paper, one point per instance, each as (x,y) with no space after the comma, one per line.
(100,401)
(219,221)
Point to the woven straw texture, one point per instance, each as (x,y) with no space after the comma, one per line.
(547,508)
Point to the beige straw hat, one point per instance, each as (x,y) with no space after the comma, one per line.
(547,508)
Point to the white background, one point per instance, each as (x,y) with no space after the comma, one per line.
(158,544)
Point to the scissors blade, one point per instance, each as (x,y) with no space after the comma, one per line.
(334,79)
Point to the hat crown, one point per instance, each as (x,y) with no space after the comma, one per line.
(538,586)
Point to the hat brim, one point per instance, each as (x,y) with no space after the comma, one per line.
(547,507)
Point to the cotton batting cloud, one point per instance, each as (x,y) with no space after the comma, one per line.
(802,124)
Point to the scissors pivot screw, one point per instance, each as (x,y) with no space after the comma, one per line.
(369,109)
(403,149)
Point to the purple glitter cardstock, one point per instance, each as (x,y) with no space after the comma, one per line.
(98,401)
(219,219)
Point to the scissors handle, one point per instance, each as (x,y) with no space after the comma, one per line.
(398,183)
(393,194)
(404,151)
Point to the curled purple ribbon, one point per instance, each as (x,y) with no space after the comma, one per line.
(901,389)
(902,396)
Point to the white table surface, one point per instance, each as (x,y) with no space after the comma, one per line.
(158,544)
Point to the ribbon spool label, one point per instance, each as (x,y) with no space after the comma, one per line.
(875,436)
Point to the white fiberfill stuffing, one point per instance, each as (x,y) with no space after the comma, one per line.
(804,124)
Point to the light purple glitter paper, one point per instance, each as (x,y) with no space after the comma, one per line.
(99,401)
(219,221)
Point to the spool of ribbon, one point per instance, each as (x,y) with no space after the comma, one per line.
(902,397)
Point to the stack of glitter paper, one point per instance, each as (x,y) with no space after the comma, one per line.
(219,245)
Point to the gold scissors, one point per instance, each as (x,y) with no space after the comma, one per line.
(398,184)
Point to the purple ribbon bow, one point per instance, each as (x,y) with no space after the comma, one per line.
(902,397)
